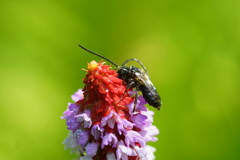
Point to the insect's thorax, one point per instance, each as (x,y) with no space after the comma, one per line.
(129,74)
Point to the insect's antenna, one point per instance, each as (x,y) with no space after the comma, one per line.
(98,55)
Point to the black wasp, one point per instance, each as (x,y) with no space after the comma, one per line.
(136,78)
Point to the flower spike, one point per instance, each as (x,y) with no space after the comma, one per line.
(101,120)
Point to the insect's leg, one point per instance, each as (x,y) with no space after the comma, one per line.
(135,101)
(134,59)
(128,86)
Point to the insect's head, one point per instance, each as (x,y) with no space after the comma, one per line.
(123,72)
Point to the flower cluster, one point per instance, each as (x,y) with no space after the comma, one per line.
(102,120)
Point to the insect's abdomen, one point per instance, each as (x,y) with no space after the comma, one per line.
(151,96)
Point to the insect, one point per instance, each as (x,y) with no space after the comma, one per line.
(136,78)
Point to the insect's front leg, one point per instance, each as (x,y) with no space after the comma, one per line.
(128,86)
(136,94)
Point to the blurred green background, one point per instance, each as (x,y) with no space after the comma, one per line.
(190,48)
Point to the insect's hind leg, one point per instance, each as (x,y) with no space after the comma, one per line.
(135,101)
(134,59)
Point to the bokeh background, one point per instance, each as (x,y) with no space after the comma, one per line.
(190,48)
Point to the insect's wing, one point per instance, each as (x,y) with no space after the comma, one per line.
(144,79)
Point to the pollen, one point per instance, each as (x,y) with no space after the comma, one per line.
(92,65)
